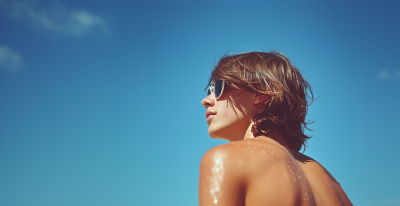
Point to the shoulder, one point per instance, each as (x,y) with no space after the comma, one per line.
(221,176)
(224,150)
(226,155)
(242,170)
(243,156)
(226,161)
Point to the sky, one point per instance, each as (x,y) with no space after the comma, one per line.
(100,100)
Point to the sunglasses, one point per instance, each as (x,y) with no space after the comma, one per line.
(217,88)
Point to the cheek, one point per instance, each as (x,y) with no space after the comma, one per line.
(227,113)
(232,115)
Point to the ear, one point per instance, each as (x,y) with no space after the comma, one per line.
(260,98)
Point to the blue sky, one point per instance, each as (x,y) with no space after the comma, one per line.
(100,102)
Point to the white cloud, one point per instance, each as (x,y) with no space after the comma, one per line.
(55,17)
(9,59)
(383,75)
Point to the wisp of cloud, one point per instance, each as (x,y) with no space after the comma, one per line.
(9,59)
(55,18)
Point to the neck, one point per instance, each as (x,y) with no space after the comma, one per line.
(272,134)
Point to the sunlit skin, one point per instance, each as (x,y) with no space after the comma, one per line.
(257,171)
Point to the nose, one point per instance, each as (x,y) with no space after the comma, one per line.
(209,101)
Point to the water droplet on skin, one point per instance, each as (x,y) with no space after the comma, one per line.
(251,151)
(263,151)
(215,201)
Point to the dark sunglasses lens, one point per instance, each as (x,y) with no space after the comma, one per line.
(218,88)
(208,91)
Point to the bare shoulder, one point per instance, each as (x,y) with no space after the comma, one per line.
(227,156)
(221,177)
(245,153)
(263,172)
(234,168)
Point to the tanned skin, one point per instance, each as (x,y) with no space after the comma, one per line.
(258,171)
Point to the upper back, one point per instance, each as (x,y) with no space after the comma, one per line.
(281,176)
(270,174)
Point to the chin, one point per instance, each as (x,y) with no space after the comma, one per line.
(213,134)
(216,133)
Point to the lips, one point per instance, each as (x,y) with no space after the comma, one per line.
(210,114)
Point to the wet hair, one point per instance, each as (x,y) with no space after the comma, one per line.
(271,74)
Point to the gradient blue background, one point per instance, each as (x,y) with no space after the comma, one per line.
(101,104)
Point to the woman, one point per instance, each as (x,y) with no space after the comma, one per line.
(258,102)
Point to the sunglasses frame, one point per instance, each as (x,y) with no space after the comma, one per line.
(212,88)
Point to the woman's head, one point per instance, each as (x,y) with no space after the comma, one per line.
(271,75)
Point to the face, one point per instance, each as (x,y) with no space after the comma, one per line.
(230,115)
